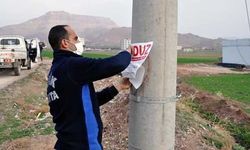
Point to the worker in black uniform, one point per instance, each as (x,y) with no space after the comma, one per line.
(74,103)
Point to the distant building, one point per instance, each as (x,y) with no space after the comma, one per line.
(125,44)
(179,48)
(207,48)
(188,49)
(236,52)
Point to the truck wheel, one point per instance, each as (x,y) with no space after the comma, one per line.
(29,64)
(17,70)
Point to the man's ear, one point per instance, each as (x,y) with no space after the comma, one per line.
(64,43)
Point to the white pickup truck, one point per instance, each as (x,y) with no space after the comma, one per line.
(14,53)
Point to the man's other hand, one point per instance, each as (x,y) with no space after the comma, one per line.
(122,84)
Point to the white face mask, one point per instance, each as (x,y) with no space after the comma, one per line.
(79,48)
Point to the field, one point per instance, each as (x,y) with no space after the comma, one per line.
(208,57)
(26,123)
(195,60)
(226,104)
(233,86)
(185,58)
(49,54)
(213,112)
(222,99)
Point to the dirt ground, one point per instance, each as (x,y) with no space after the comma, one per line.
(222,107)
(190,127)
(7,76)
(206,69)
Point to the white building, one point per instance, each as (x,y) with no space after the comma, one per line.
(125,44)
(187,49)
(236,52)
(179,48)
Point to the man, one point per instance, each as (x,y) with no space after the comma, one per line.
(33,50)
(73,102)
(41,47)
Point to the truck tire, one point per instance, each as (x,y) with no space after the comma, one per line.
(17,70)
(29,64)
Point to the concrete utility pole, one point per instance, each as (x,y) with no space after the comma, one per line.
(153,106)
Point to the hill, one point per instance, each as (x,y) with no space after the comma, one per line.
(99,32)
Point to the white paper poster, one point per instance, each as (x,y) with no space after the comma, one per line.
(135,71)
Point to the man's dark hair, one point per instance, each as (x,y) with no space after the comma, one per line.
(56,34)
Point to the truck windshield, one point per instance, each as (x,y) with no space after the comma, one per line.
(10,42)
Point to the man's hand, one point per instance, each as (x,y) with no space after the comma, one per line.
(130,49)
(122,84)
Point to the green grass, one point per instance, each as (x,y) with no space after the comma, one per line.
(241,132)
(14,128)
(238,147)
(199,57)
(233,86)
(18,120)
(190,60)
(10,130)
(49,54)
(180,60)
(213,141)
(96,55)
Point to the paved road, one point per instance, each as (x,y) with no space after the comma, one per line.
(7,77)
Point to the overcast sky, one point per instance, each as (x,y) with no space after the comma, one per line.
(208,18)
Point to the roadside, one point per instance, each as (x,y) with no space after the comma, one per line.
(24,110)
(7,77)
